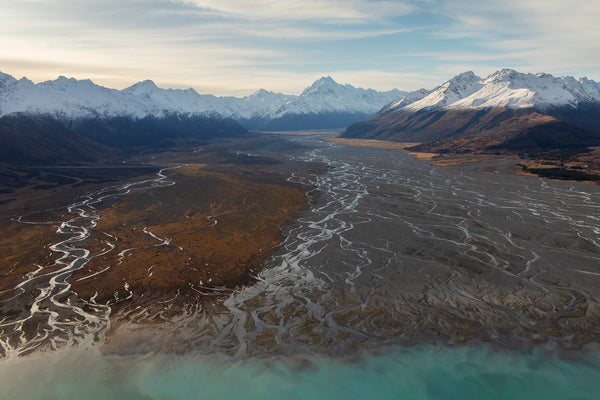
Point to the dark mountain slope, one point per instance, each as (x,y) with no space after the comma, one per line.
(154,131)
(40,139)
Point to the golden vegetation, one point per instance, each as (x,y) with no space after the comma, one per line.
(576,164)
(219,228)
(22,246)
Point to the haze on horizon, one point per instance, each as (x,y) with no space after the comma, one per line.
(233,47)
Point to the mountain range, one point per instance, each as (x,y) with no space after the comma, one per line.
(507,110)
(324,104)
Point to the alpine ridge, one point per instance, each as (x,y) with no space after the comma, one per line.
(324,104)
(508,110)
(504,88)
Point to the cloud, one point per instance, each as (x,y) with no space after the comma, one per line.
(552,34)
(348,11)
(315,34)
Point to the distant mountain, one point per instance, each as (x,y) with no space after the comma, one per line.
(67,99)
(506,110)
(325,104)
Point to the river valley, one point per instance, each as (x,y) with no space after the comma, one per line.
(399,269)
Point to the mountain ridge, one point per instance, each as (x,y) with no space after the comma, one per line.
(503,88)
(506,111)
(68,99)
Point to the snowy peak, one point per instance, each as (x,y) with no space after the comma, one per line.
(504,75)
(69,98)
(408,98)
(322,86)
(457,88)
(6,80)
(512,89)
(263,93)
(326,95)
(142,88)
(504,88)
(465,78)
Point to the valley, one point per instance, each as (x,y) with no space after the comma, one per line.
(321,200)
(291,250)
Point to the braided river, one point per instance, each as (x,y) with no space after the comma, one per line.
(402,280)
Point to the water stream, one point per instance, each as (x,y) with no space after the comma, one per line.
(44,313)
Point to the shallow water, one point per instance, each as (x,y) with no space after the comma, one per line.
(425,372)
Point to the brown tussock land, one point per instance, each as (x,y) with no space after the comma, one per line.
(221,228)
(21,248)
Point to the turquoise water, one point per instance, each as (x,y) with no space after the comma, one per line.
(408,373)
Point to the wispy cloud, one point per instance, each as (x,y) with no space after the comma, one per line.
(332,11)
(546,34)
(315,34)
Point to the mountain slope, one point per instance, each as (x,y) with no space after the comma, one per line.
(457,88)
(40,139)
(507,110)
(151,131)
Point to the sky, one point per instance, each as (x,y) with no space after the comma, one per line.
(235,47)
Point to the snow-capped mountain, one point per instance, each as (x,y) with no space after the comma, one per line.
(505,88)
(323,97)
(508,108)
(326,95)
(509,88)
(457,88)
(68,99)
(324,104)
